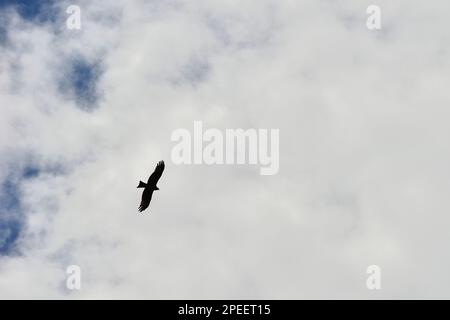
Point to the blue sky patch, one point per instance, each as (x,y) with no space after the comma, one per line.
(30,172)
(10,216)
(80,82)
(35,10)
(9,232)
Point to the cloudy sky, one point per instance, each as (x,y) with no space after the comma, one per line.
(364,173)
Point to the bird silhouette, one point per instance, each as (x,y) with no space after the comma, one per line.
(150,186)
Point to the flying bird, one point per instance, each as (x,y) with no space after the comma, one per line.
(150,186)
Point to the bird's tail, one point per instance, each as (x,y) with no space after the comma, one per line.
(141,184)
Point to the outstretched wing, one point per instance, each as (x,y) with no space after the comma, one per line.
(146,198)
(153,180)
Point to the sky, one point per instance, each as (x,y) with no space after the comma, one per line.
(363,176)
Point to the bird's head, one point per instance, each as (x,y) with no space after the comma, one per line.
(156,188)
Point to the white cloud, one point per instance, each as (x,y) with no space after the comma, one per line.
(363,158)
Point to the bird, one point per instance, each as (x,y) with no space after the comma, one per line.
(150,186)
